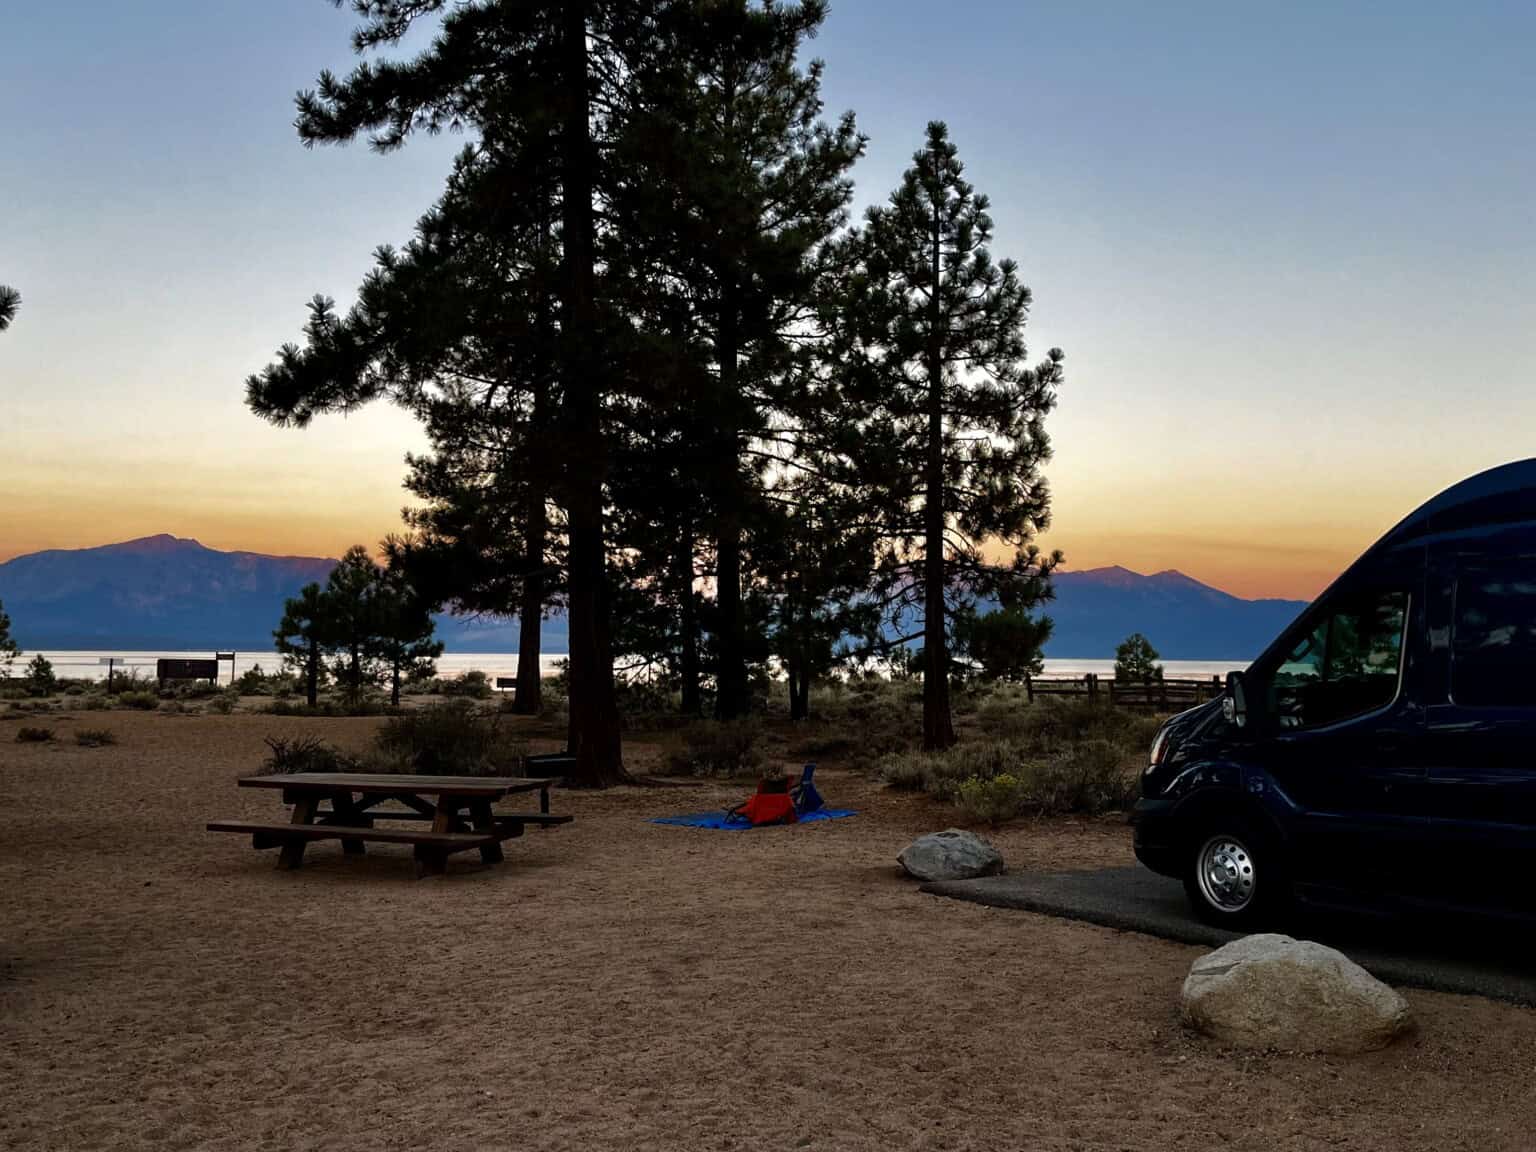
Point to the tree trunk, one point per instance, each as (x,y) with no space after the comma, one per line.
(530,613)
(394,685)
(593,737)
(312,675)
(938,725)
(731,696)
(688,623)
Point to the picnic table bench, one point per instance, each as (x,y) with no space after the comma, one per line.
(459,807)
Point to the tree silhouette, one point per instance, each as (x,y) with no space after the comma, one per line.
(401,630)
(744,182)
(9,649)
(303,637)
(1136,661)
(941,417)
(10,304)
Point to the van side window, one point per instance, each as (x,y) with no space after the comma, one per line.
(1347,665)
(1493,635)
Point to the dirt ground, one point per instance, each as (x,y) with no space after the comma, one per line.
(619,984)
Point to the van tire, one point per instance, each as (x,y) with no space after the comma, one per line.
(1235,873)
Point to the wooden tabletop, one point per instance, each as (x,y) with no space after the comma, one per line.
(389,783)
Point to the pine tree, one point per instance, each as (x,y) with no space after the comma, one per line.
(945,421)
(547,85)
(1006,644)
(457,329)
(1136,661)
(10,304)
(9,649)
(303,637)
(742,182)
(401,630)
(351,623)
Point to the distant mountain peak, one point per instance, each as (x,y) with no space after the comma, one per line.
(1172,576)
(164,542)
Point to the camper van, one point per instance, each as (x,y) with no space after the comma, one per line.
(1382,751)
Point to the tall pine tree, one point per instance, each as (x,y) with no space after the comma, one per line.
(946,421)
(742,182)
(545,83)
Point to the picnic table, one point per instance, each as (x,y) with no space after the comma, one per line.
(345,806)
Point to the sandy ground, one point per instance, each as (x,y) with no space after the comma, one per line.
(618,984)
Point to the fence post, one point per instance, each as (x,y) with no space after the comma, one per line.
(1029,688)
(1093,687)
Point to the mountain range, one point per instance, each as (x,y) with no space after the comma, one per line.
(162,592)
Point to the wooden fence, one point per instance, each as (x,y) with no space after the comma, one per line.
(1161,695)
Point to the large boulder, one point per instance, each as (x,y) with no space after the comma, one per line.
(953,854)
(1271,991)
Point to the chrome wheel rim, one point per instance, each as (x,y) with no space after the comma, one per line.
(1226,874)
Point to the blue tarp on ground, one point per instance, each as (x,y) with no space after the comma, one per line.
(718,820)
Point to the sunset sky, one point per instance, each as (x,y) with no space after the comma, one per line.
(1289,249)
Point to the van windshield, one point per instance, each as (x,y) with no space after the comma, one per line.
(1348,664)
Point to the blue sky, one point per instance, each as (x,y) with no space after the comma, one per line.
(1290,251)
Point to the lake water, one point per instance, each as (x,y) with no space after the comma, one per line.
(82,665)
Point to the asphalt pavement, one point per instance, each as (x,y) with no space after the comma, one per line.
(1477,957)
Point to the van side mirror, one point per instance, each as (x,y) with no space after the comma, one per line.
(1234,703)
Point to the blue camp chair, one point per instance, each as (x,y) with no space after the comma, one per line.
(804,794)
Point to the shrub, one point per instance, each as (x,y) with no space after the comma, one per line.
(1092,778)
(474,684)
(452,739)
(94,737)
(75,690)
(942,773)
(144,701)
(304,754)
(224,703)
(996,780)
(28,735)
(282,706)
(95,704)
(133,681)
(1052,727)
(255,682)
(993,800)
(646,706)
(726,748)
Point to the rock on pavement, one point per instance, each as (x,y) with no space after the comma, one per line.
(953,854)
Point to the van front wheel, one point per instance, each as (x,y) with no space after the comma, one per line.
(1235,877)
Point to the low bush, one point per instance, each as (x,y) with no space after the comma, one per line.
(305,754)
(95,703)
(991,801)
(942,773)
(1051,727)
(29,735)
(144,701)
(224,703)
(95,737)
(282,706)
(996,780)
(648,707)
(451,739)
(727,748)
(474,684)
